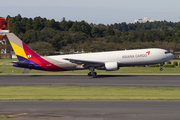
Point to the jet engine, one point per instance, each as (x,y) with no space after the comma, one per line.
(111,66)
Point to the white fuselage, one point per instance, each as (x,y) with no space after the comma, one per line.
(123,58)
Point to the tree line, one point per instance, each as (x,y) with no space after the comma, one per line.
(46,36)
(157,25)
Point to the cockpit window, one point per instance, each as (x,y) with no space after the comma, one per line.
(167,52)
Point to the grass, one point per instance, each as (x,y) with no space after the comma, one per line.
(7,68)
(4,116)
(87,93)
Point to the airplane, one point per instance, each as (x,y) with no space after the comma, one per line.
(109,61)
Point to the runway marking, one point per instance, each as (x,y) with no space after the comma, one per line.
(18,114)
(49,115)
(34,115)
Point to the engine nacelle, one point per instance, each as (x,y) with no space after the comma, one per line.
(111,66)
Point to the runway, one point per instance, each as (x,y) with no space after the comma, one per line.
(91,110)
(100,80)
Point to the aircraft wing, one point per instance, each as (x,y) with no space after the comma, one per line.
(85,63)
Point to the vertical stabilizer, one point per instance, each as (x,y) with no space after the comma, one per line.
(22,51)
(28,58)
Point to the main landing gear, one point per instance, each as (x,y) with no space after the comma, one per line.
(161,65)
(92,73)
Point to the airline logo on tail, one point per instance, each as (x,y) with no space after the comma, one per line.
(29,56)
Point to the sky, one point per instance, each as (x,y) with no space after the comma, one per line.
(93,11)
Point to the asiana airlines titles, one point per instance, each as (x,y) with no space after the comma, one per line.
(134,56)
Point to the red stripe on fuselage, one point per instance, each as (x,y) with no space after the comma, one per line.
(40,61)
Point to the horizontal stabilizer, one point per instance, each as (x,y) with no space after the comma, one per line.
(22,63)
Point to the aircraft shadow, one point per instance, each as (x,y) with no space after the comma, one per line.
(98,76)
(106,76)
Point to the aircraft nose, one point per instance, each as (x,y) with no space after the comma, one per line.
(170,56)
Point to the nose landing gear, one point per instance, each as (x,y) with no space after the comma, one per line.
(161,65)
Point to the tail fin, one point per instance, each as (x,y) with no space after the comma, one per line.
(22,51)
(28,58)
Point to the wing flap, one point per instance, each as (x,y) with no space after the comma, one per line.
(85,63)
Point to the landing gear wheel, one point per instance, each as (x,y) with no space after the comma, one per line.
(94,74)
(89,74)
(161,69)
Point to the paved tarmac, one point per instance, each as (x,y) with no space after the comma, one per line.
(100,80)
(92,110)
